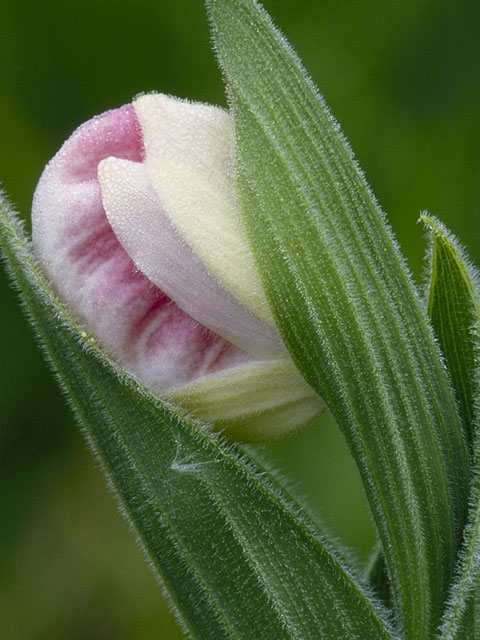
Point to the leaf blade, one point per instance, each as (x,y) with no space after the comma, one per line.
(454,310)
(178,484)
(305,204)
(453,304)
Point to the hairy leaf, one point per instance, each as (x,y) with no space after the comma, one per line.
(237,559)
(454,307)
(346,308)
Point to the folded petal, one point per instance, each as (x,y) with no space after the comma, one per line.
(254,401)
(191,145)
(140,223)
(133,320)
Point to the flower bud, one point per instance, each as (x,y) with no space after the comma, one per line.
(137,225)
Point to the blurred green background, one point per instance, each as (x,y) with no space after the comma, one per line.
(403,79)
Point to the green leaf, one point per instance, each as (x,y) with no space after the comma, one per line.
(346,308)
(454,307)
(461,620)
(376,573)
(237,559)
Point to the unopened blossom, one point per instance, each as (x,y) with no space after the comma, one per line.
(137,226)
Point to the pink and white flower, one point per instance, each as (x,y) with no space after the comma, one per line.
(136,224)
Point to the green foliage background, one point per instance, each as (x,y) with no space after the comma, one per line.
(403,79)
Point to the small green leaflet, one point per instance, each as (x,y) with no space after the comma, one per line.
(454,306)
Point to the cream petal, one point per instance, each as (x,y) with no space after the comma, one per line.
(189,157)
(144,230)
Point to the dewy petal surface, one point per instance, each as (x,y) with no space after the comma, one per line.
(158,251)
(132,319)
(191,145)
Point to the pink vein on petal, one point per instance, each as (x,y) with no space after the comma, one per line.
(132,319)
(143,228)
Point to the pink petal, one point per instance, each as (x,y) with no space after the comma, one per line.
(157,249)
(134,321)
